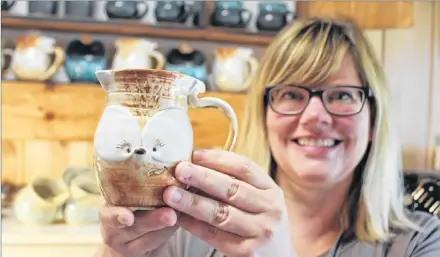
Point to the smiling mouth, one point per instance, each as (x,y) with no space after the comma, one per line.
(325,142)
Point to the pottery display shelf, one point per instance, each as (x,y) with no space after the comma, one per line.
(53,240)
(134,28)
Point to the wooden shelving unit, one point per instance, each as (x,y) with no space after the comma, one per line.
(132,28)
(47,127)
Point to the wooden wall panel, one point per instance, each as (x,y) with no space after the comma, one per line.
(407,64)
(435,88)
(436,69)
(376,38)
(46,129)
(368,14)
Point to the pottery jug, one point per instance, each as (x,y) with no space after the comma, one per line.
(144,131)
(43,7)
(83,58)
(6,5)
(6,54)
(126,9)
(136,53)
(32,57)
(232,68)
(230,14)
(38,203)
(188,61)
(172,11)
(84,203)
(273,16)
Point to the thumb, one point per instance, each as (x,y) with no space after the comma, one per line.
(116,217)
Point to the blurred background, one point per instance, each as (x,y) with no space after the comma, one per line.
(51,100)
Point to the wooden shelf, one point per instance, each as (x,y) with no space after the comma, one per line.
(46,128)
(132,28)
(39,111)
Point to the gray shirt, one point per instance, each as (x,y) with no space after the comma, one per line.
(410,244)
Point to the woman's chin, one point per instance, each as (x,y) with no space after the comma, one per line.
(313,171)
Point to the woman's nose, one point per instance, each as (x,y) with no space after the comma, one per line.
(315,112)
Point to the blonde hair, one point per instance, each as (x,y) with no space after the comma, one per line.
(306,53)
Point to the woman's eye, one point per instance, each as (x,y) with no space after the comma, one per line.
(291,96)
(344,96)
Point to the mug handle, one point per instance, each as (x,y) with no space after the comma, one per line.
(253,64)
(244,13)
(142,14)
(160,59)
(7,52)
(59,58)
(206,102)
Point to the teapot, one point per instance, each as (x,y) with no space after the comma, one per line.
(233,67)
(134,53)
(273,16)
(126,9)
(32,56)
(230,14)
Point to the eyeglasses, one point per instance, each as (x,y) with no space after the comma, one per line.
(339,100)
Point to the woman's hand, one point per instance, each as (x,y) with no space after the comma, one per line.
(240,216)
(131,234)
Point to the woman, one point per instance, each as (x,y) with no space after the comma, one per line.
(318,119)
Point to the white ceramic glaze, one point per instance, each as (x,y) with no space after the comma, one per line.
(32,57)
(145,131)
(136,53)
(233,67)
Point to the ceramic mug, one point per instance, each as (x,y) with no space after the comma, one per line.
(144,131)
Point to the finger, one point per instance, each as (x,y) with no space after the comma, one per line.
(115,217)
(218,214)
(144,222)
(223,187)
(147,242)
(147,221)
(227,243)
(234,165)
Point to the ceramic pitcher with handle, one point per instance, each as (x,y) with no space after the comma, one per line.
(39,202)
(31,59)
(144,131)
(135,53)
(233,67)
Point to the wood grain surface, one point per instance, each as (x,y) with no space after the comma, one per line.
(368,14)
(47,128)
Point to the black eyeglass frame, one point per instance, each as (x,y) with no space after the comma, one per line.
(316,92)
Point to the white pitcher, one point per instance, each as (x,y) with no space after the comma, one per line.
(233,67)
(136,53)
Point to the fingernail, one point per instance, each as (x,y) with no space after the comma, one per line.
(123,220)
(175,195)
(185,172)
(198,154)
(165,221)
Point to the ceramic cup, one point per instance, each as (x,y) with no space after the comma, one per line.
(144,131)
